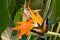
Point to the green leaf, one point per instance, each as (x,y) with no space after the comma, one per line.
(4,15)
(18,17)
(11,4)
(55,9)
(46,8)
(28,37)
(55,15)
(52,33)
(36,4)
(58,27)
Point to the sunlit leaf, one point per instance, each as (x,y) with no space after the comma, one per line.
(18,17)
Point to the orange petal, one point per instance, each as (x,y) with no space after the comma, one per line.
(21,23)
(19,27)
(28,32)
(32,15)
(16,28)
(31,26)
(39,18)
(23,32)
(35,18)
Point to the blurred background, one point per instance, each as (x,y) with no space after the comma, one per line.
(10,14)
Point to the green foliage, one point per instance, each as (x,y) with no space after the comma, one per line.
(4,15)
(56,17)
(18,17)
(11,5)
(12,8)
(34,4)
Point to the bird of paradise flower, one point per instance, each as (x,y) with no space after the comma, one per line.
(27,26)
